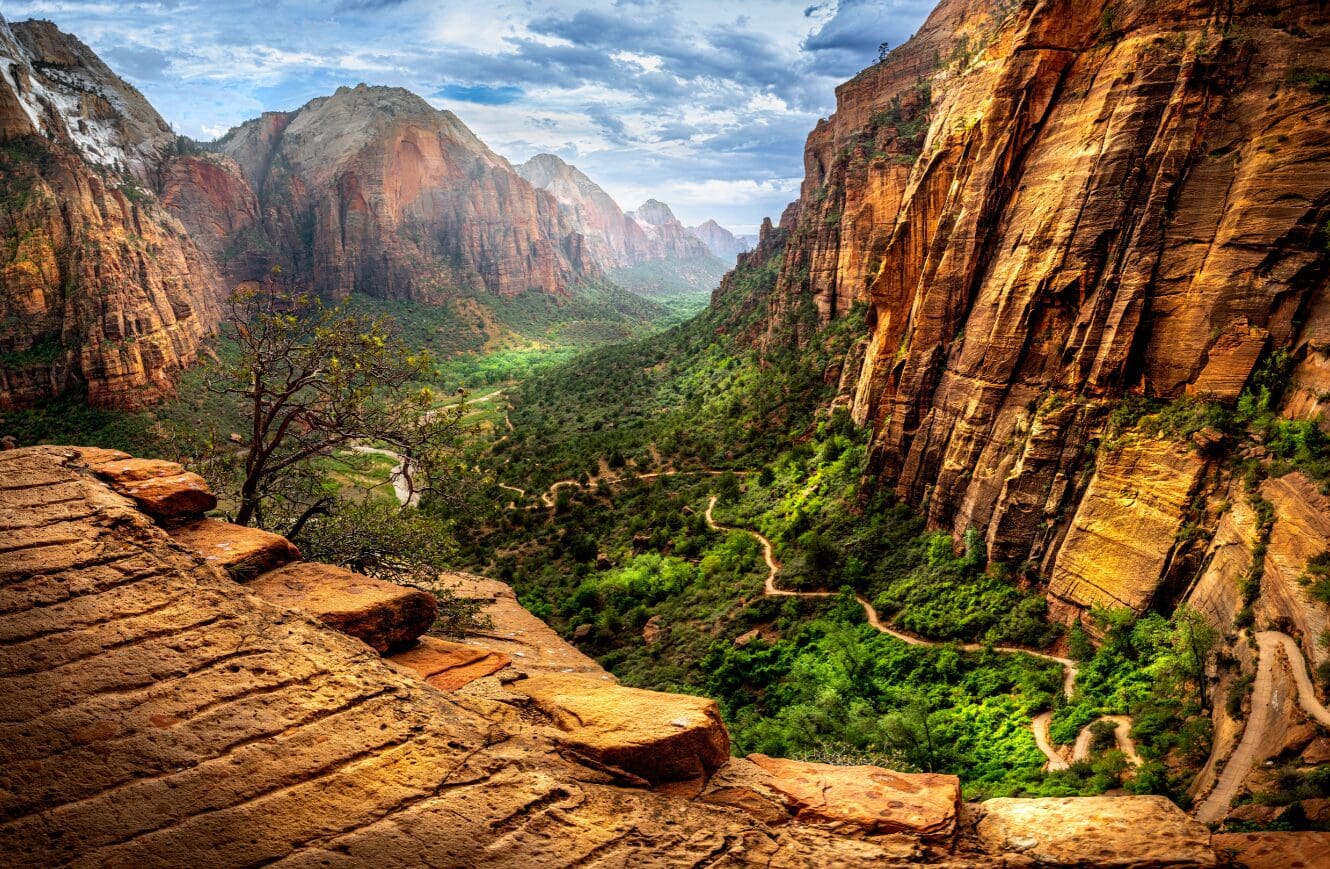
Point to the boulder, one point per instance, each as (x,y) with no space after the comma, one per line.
(866,800)
(659,737)
(1095,831)
(651,630)
(163,490)
(383,614)
(1317,752)
(1303,850)
(449,666)
(1252,813)
(242,552)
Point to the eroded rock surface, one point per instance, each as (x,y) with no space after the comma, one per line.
(382,614)
(154,709)
(242,552)
(447,665)
(1095,831)
(660,737)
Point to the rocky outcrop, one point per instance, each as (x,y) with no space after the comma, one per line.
(101,290)
(155,707)
(372,190)
(720,241)
(1095,831)
(242,552)
(383,615)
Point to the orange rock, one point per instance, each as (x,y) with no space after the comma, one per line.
(242,552)
(866,800)
(163,490)
(1095,831)
(660,737)
(449,666)
(384,615)
(1305,850)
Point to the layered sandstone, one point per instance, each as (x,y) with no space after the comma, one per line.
(372,190)
(1048,207)
(101,290)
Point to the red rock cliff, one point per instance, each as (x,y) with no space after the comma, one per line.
(100,288)
(372,190)
(1046,207)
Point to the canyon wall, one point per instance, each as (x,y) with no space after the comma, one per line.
(1046,208)
(372,190)
(101,289)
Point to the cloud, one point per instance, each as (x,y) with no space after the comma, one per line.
(704,104)
(481,94)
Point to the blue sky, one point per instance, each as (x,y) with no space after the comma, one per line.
(703,104)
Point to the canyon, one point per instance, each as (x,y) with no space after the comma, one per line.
(1080,252)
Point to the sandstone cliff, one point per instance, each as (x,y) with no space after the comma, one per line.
(372,190)
(101,288)
(1047,207)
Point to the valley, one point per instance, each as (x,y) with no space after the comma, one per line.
(996,467)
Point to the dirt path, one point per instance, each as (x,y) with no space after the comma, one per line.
(1041,722)
(397,476)
(1265,715)
(547,497)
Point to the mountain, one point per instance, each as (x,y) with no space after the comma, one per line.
(103,290)
(666,233)
(372,190)
(720,241)
(1081,231)
(614,239)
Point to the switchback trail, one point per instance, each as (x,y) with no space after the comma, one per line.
(1040,724)
(1265,714)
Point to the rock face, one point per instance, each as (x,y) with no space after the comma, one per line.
(163,490)
(154,707)
(382,614)
(660,737)
(866,799)
(1047,208)
(242,552)
(372,190)
(720,241)
(1095,831)
(1275,850)
(100,288)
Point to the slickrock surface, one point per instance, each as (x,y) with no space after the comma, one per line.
(866,799)
(243,552)
(449,666)
(382,614)
(1095,831)
(529,642)
(660,737)
(1305,850)
(156,713)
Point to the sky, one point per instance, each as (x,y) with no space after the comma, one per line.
(703,104)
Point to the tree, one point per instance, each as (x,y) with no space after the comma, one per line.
(1191,639)
(314,379)
(883,49)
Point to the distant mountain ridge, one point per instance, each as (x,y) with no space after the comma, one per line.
(719,240)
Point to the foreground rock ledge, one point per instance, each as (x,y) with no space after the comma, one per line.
(154,708)
(1095,831)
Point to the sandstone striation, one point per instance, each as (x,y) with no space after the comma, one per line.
(449,666)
